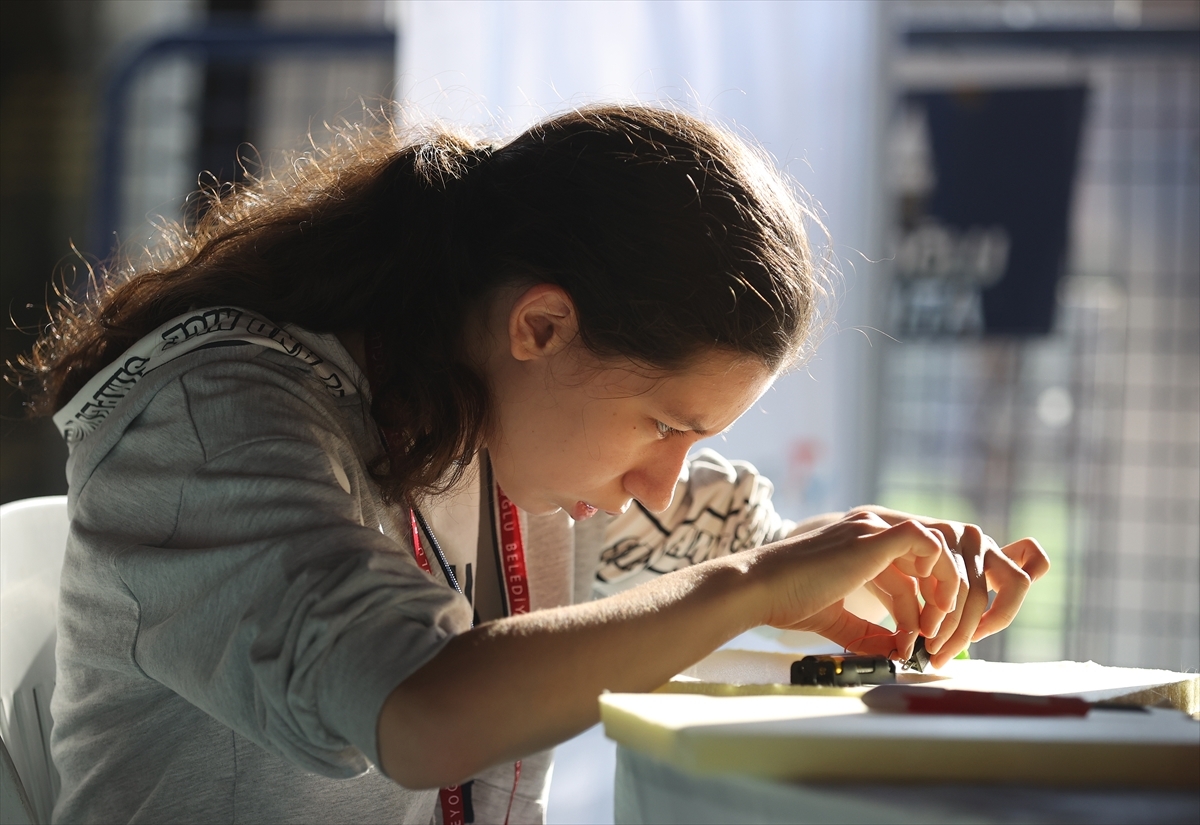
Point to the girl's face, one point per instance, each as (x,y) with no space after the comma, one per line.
(582,437)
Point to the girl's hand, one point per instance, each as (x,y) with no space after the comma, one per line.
(1008,571)
(813,573)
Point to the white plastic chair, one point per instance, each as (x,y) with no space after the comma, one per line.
(33,537)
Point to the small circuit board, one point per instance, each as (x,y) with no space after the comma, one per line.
(843,671)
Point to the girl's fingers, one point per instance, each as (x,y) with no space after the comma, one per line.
(1029,556)
(883,598)
(886,601)
(927,556)
(860,636)
(950,622)
(901,563)
(973,547)
(1010,583)
(901,592)
(924,564)
(954,584)
(932,616)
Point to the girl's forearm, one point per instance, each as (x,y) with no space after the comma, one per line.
(522,684)
(519,685)
(815,523)
(825,519)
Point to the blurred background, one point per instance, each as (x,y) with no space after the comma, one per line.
(1012,190)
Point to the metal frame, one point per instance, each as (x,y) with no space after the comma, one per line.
(236,43)
(1069,39)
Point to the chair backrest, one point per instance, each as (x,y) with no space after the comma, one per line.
(33,538)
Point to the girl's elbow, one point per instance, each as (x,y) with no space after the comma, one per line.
(417,774)
(417,748)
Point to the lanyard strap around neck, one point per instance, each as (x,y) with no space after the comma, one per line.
(512,554)
(512,560)
(509,547)
(376,370)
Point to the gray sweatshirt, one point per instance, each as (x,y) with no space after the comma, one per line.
(237,602)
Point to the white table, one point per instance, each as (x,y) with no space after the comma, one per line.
(649,789)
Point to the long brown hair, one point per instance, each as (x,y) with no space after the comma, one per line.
(671,235)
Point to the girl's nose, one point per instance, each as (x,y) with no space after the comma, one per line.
(653,481)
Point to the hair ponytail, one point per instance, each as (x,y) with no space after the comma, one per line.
(671,236)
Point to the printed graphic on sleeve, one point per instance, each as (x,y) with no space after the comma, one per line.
(179,336)
(720,507)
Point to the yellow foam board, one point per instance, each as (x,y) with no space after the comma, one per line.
(836,738)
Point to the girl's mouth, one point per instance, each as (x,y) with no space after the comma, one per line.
(582,510)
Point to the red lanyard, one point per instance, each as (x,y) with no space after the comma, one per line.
(418,551)
(454,806)
(512,558)
(516,586)
(512,547)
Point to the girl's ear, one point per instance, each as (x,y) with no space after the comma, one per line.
(542,322)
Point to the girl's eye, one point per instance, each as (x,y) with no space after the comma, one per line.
(664,430)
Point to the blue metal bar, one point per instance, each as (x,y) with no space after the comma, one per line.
(1096,40)
(220,42)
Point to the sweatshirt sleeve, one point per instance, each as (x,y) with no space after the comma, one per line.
(720,507)
(277,605)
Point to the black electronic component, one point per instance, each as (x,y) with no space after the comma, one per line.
(920,657)
(843,671)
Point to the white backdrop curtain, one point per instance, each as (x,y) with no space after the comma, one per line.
(803,78)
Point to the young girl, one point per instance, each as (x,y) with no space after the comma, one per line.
(343,458)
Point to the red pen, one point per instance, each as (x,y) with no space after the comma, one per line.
(911,699)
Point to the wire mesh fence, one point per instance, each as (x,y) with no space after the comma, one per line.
(210,100)
(1089,438)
